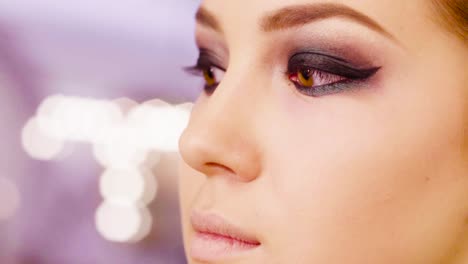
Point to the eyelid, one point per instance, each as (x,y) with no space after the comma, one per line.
(211,58)
(198,69)
(329,64)
(206,59)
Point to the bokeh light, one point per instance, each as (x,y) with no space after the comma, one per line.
(125,104)
(130,186)
(152,159)
(38,144)
(145,228)
(122,223)
(118,152)
(127,139)
(77,118)
(65,63)
(158,128)
(185,107)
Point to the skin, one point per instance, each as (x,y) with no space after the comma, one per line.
(377,174)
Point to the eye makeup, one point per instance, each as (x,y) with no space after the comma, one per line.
(324,66)
(207,66)
(329,64)
(206,59)
(325,74)
(329,74)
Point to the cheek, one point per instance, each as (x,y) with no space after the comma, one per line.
(189,185)
(363,170)
(190,182)
(341,167)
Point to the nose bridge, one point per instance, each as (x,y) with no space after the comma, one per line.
(239,92)
(221,138)
(235,98)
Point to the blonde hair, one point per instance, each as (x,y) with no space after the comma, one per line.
(453,14)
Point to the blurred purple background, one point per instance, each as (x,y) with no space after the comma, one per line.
(101,49)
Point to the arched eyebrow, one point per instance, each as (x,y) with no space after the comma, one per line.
(299,15)
(206,18)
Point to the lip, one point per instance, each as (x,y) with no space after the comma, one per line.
(215,238)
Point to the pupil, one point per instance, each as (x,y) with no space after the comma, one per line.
(210,74)
(306,74)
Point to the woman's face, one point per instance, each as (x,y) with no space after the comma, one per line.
(328,132)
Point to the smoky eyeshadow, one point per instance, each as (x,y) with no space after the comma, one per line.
(329,64)
(328,89)
(355,74)
(207,59)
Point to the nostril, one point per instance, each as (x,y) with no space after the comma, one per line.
(219,166)
(212,146)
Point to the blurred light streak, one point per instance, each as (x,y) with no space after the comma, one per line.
(9,197)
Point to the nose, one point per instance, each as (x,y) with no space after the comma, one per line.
(221,138)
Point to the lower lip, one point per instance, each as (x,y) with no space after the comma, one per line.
(212,247)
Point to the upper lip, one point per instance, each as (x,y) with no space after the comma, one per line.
(216,225)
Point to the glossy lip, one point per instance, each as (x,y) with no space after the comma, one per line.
(215,238)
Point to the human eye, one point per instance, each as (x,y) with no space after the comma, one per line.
(207,67)
(316,74)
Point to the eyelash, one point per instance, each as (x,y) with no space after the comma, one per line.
(203,70)
(336,76)
(207,68)
(323,83)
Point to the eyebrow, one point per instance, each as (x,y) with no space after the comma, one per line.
(299,15)
(207,19)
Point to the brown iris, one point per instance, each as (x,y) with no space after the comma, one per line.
(305,78)
(209,76)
